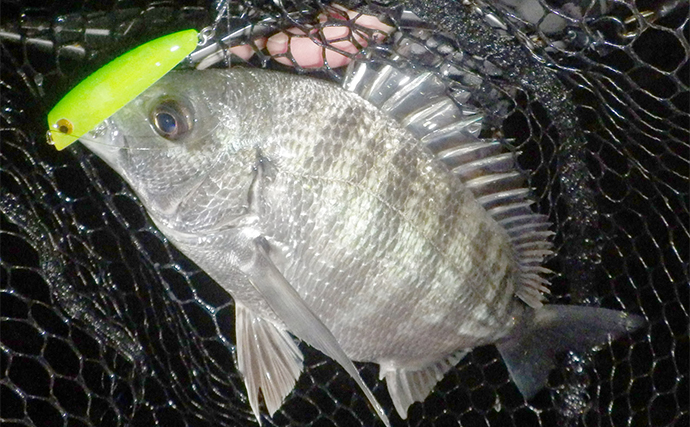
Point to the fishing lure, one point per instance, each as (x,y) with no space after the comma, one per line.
(114,85)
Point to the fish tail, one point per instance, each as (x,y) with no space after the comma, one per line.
(530,351)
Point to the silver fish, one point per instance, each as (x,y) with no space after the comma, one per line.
(367,220)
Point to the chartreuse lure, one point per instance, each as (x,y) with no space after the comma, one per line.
(111,87)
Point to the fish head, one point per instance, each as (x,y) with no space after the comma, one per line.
(168,142)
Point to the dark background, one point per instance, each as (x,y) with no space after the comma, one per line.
(104,323)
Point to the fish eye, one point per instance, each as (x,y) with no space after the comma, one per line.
(64,126)
(171,119)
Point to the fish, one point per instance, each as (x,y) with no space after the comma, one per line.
(367,219)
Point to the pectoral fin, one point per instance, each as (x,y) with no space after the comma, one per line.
(268,359)
(297,316)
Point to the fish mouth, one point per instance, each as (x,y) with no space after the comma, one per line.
(106,141)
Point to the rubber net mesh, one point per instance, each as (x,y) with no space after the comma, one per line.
(104,323)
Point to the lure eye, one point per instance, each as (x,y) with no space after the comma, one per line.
(64,126)
(171,119)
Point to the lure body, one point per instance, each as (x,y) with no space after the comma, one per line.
(114,85)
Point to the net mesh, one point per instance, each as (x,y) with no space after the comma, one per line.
(105,323)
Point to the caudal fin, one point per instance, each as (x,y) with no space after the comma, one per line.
(530,353)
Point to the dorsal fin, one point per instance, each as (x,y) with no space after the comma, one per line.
(426,89)
(424,105)
(453,136)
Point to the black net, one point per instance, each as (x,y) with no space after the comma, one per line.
(105,323)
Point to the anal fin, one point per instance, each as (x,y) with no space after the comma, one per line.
(268,359)
(409,385)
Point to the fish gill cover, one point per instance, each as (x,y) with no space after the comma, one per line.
(105,323)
